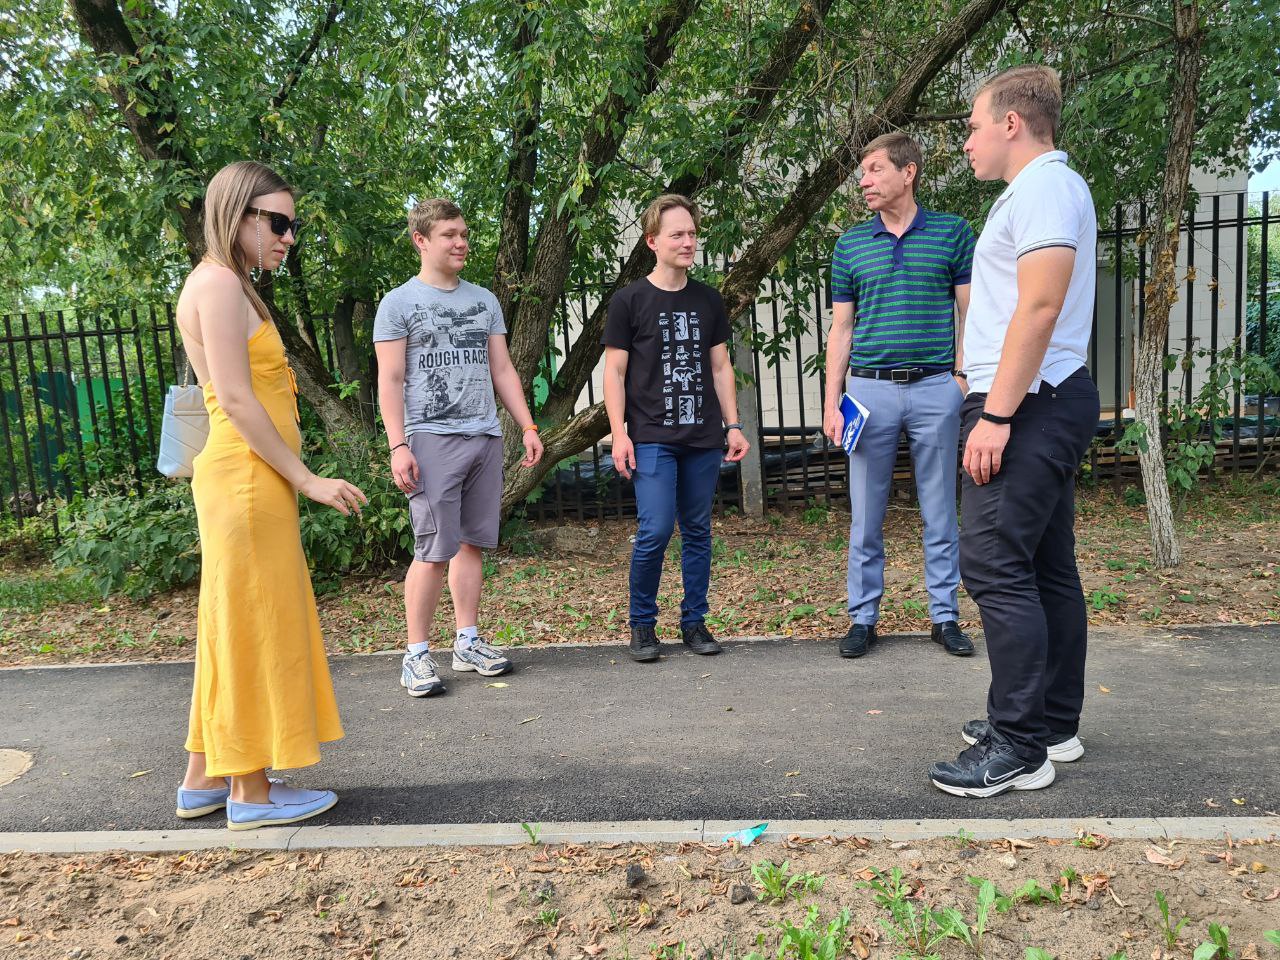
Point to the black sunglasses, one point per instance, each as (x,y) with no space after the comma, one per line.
(280,224)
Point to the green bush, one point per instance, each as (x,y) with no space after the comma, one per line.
(338,545)
(142,544)
(138,543)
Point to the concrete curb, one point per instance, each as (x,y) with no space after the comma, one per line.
(634,831)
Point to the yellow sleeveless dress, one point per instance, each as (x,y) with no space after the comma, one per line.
(263,696)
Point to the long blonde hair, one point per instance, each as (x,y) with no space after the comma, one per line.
(230,193)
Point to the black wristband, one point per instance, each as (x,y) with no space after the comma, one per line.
(960,373)
(732,426)
(995,418)
(404,443)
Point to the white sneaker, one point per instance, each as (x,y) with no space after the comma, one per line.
(419,675)
(484,659)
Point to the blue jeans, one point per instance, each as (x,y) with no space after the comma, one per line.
(673,481)
(929,411)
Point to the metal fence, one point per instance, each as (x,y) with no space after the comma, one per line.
(81,392)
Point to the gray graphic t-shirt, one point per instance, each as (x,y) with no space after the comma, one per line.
(447,387)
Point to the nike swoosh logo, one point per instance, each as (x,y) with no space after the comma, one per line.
(986,777)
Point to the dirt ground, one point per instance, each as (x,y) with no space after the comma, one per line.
(628,901)
(783,576)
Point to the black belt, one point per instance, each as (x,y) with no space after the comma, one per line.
(897,374)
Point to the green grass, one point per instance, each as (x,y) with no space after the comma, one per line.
(36,593)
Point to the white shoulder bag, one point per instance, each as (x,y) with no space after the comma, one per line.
(185,428)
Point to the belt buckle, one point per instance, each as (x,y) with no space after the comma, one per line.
(900,376)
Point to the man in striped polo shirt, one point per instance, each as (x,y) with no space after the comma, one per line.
(897,281)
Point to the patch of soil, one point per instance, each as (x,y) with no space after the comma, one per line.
(780,577)
(615,901)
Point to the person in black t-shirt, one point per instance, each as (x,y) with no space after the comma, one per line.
(668,386)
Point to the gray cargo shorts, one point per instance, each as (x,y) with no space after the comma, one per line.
(459,495)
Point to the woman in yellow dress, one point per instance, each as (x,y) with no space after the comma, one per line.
(262,697)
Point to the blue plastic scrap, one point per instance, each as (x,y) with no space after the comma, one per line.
(747,835)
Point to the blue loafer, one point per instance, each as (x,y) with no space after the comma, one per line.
(288,805)
(198,803)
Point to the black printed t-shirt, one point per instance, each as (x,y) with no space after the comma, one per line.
(669,335)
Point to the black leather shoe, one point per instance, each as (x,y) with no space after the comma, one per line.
(952,639)
(699,640)
(858,640)
(644,643)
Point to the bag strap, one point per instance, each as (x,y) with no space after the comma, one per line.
(187,369)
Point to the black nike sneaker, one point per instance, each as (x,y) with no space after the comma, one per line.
(1063,748)
(990,767)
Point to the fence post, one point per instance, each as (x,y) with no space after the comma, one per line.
(749,416)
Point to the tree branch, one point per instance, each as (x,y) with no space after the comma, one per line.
(154,126)
(814,189)
(522,168)
(103,27)
(762,91)
(1139,18)
(574,435)
(604,134)
(300,64)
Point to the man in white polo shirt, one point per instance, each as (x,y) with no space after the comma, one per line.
(1031,412)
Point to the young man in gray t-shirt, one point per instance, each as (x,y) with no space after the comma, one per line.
(442,353)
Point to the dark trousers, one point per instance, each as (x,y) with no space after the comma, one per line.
(1018,562)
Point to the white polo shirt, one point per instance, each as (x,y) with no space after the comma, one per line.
(1046,205)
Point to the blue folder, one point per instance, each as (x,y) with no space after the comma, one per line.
(855,418)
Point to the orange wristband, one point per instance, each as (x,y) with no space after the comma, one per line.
(533,427)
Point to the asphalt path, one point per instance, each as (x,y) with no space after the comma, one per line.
(1180,722)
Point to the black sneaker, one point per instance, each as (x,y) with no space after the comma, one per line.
(990,767)
(644,643)
(952,638)
(699,640)
(1063,748)
(858,640)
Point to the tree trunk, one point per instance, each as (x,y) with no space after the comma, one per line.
(350,357)
(762,91)
(522,169)
(770,243)
(105,29)
(303,318)
(553,249)
(1162,289)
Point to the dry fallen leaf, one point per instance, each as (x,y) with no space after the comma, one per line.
(140,773)
(1238,801)
(1257,867)
(860,948)
(793,773)
(11,922)
(1211,803)
(530,719)
(498,685)
(1155,855)
(873,713)
(1102,689)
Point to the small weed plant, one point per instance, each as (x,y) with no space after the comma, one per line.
(777,882)
(533,831)
(1217,947)
(917,928)
(808,940)
(1167,927)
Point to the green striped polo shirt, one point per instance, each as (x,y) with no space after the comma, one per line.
(903,288)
